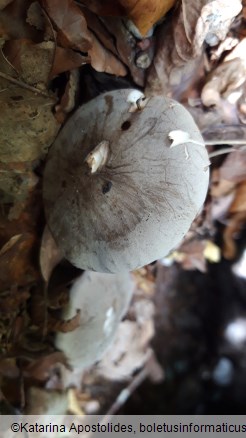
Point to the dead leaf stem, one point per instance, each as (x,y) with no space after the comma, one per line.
(26,86)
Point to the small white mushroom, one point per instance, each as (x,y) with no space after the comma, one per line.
(102,300)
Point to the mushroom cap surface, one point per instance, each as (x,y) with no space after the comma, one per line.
(142,201)
(103,300)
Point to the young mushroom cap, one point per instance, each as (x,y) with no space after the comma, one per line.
(117,195)
(102,300)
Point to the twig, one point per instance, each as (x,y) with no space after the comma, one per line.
(221,152)
(26,86)
(219,142)
(128,391)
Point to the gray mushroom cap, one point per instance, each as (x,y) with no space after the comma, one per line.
(140,203)
(103,300)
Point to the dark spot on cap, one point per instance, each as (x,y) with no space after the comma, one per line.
(106,187)
(125,125)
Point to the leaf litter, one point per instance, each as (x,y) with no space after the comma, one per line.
(193,51)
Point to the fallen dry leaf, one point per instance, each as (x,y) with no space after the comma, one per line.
(32,62)
(69,23)
(234,167)
(215,20)
(35,16)
(68,99)
(41,368)
(16,267)
(226,78)
(66,60)
(236,222)
(239,203)
(4,3)
(232,231)
(16,182)
(103,60)
(27,125)
(50,255)
(126,46)
(145,13)
(180,40)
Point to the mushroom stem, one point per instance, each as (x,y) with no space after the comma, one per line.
(98,157)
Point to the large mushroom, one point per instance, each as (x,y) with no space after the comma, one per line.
(117,195)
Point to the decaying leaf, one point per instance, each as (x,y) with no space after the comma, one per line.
(233,229)
(27,125)
(126,47)
(67,102)
(16,262)
(145,13)
(226,78)
(66,60)
(239,203)
(69,23)
(50,255)
(16,182)
(234,167)
(32,61)
(230,173)
(236,221)
(180,40)
(215,20)
(104,61)
(4,3)
(41,368)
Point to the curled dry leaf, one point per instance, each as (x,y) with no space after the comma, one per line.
(126,47)
(41,368)
(215,20)
(67,102)
(180,40)
(230,173)
(66,60)
(69,23)
(226,78)
(174,48)
(239,203)
(50,255)
(145,13)
(233,168)
(232,231)
(236,221)
(103,60)
(35,16)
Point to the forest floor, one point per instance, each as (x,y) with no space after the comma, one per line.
(181,346)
